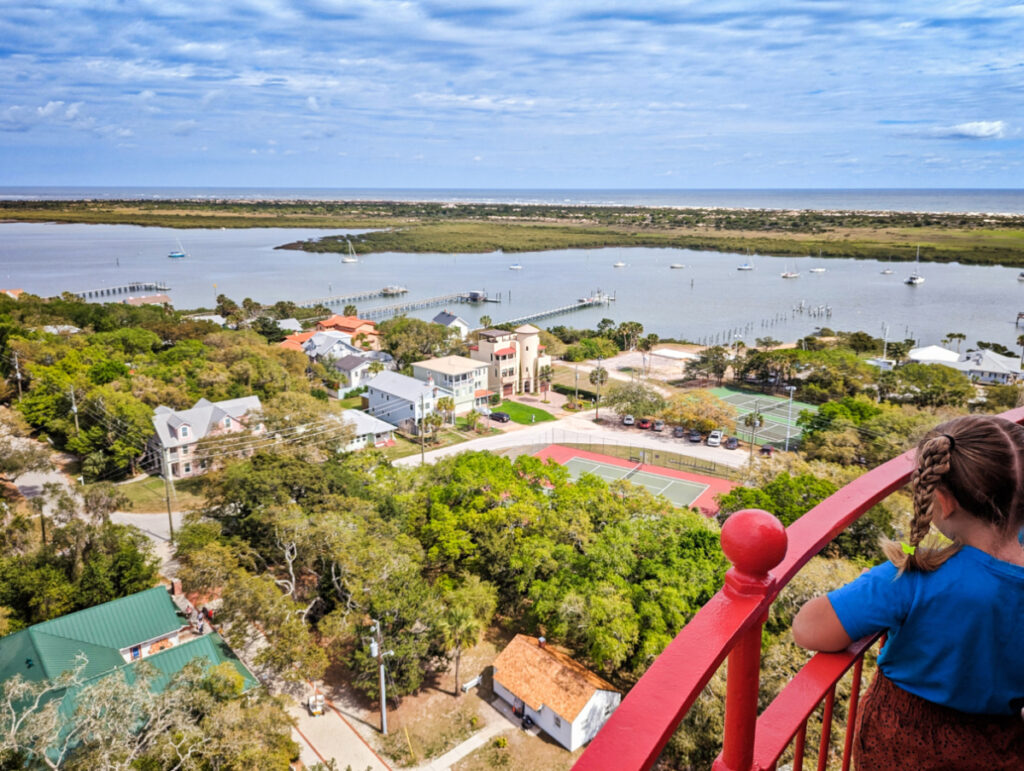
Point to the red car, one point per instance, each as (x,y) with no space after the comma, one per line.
(644,423)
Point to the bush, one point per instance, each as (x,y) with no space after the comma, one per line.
(354,392)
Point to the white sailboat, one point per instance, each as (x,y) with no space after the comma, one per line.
(677,266)
(180,253)
(745,266)
(619,264)
(351,256)
(915,278)
(515,266)
(791,273)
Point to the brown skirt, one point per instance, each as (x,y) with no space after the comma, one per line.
(898,730)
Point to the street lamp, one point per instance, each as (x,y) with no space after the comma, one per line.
(789,416)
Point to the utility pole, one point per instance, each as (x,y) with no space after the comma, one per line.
(378,652)
(789,417)
(74,409)
(17,374)
(168,484)
(423,456)
(597,404)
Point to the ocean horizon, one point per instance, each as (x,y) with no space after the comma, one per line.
(937,200)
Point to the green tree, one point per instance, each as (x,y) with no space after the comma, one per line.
(544,376)
(598,377)
(470,607)
(485,321)
(349,310)
(700,409)
(634,398)
(446,405)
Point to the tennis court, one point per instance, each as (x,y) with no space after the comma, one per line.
(680,488)
(775,410)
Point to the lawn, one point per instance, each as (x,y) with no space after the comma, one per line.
(147,496)
(521,413)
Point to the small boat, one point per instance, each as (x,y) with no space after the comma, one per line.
(887,272)
(915,278)
(677,266)
(515,266)
(619,264)
(745,266)
(392,290)
(1020,276)
(816,270)
(179,254)
(349,258)
(790,274)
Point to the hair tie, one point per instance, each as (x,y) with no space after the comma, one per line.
(952,441)
(907,548)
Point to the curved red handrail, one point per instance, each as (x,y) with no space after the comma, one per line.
(641,726)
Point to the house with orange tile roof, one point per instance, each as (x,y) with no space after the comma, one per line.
(14,294)
(354,327)
(294,342)
(565,699)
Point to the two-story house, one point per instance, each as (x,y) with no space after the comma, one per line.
(179,431)
(514,359)
(364,333)
(402,401)
(451,321)
(465,379)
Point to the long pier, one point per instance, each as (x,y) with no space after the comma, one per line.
(344,299)
(384,311)
(135,286)
(600,298)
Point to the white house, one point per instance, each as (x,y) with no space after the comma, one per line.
(369,431)
(401,400)
(178,431)
(323,346)
(933,354)
(565,699)
(466,379)
(514,359)
(990,368)
(450,320)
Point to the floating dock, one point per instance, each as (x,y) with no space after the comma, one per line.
(136,286)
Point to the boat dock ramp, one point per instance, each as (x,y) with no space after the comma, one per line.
(598,298)
(134,287)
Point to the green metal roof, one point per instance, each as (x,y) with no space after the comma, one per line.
(210,647)
(119,623)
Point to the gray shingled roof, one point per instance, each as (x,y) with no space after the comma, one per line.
(200,418)
(404,387)
(365,424)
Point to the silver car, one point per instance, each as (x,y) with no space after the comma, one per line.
(715,438)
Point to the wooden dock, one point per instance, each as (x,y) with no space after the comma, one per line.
(345,299)
(134,287)
(384,311)
(599,298)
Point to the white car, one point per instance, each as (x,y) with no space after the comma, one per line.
(628,420)
(715,438)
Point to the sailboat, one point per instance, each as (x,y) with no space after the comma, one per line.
(915,278)
(791,273)
(887,271)
(676,266)
(515,266)
(179,254)
(817,270)
(351,256)
(619,264)
(745,266)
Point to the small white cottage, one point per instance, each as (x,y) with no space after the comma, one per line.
(565,699)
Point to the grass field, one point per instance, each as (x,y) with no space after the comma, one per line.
(521,413)
(147,496)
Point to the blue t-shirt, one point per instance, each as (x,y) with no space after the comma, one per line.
(956,635)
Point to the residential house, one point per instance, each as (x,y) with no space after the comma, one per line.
(565,699)
(515,359)
(358,369)
(14,294)
(989,368)
(451,321)
(363,333)
(213,318)
(933,354)
(465,379)
(295,341)
(289,325)
(324,346)
(179,431)
(369,431)
(148,299)
(402,401)
(112,637)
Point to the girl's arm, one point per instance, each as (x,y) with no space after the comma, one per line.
(817,628)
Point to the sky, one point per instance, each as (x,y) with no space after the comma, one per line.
(599,94)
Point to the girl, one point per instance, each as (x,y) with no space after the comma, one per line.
(949,689)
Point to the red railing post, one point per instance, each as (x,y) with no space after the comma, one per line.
(754,542)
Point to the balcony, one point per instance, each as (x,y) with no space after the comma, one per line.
(765,557)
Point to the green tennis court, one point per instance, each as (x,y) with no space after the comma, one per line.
(774,409)
(679,492)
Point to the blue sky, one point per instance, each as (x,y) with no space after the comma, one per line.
(499,94)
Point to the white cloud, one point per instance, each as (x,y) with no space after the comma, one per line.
(312,104)
(979,129)
(184,128)
(49,109)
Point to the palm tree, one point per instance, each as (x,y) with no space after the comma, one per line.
(462,629)
(375,368)
(544,376)
(485,321)
(446,404)
(431,423)
(472,418)
(350,310)
(958,336)
(598,377)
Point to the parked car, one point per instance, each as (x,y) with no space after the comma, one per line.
(659,425)
(628,420)
(678,432)
(644,423)
(715,438)
(501,417)
(694,435)
(766,450)
(731,443)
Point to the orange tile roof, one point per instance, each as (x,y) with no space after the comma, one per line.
(348,324)
(505,351)
(481,392)
(547,677)
(14,294)
(294,342)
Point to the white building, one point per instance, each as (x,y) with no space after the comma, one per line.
(514,359)
(402,401)
(450,320)
(565,699)
(369,431)
(466,379)
(179,431)
(932,354)
(989,368)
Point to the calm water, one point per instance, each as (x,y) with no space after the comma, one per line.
(940,200)
(708,299)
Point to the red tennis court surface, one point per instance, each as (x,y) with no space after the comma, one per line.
(683,488)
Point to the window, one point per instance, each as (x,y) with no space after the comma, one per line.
(188,468)
(184,431)
(227,422)
(558,722)
(136,652)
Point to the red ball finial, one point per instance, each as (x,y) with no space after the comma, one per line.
(754,541)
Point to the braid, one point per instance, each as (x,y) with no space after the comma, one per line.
(933,463)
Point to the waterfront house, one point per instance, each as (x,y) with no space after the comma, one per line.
(514,359)
(325,346)
(565,699)
(14,294)
(933,354)
(402,401)
(451,321)
(358,369)
(295,341)
(149,299)
(465,379)
(363,333)
(179,431)
(990,368)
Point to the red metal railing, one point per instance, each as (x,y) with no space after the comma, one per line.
(765,557)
